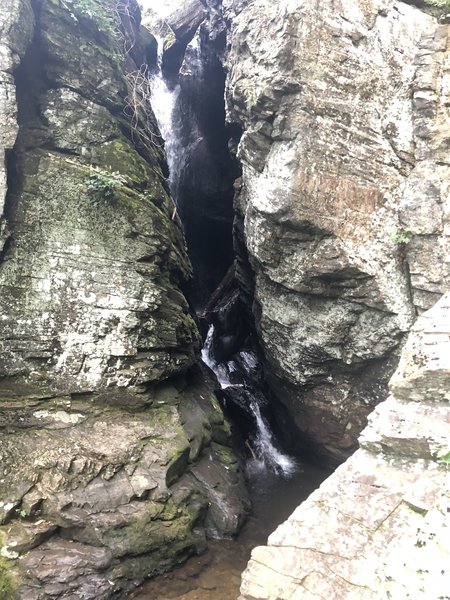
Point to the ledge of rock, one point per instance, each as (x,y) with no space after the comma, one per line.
(379,526)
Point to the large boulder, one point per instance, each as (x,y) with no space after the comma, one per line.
(114,454)
(379,526)
(342,208)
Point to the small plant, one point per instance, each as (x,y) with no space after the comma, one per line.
(20,512)
(402,237)
(443,456)
(104,184)
(249,94)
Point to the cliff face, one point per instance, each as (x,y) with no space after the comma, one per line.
(379,526)
(343,201)
(114,459)
(90,277)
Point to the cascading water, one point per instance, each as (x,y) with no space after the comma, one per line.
(237,375)
(164,99)
(191,118)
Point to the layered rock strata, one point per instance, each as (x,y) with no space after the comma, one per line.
(379,526)
(343,203)
(114,454)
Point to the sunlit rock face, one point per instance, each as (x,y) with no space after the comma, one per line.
(114,455)
(343,203)
(379,526)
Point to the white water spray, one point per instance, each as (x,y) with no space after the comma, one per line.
(164,101)
(267,455)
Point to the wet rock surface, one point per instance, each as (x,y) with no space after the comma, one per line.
(16,29)
(342,206)
(378,527)
(204,170)
(104,426)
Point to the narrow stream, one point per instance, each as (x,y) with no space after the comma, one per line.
(216,575)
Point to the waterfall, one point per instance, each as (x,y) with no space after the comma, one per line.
(236,375)
(164,102)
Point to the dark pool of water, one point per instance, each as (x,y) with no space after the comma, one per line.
(216,575)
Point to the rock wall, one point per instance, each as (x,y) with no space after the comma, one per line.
(16,26)
(379,526)
(114,453)
(343,202)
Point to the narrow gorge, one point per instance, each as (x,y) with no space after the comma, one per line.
(223,224)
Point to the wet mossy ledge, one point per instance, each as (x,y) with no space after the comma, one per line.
(435,8)
(115,457)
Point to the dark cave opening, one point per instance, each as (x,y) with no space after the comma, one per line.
(207,183)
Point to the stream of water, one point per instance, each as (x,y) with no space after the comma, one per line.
(239,373)
(216,575)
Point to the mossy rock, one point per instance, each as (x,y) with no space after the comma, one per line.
(435,8)
(178,458)
(7,585)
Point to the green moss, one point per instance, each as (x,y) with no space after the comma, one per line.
(7,591)
(221,430)
(162,533)
(98,11)
(178,458)
(224,454)
(120,156)
(436,8)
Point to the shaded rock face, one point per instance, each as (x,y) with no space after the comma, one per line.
(205,169)
(342,206)
(379,526)
(16,25)
(114,454)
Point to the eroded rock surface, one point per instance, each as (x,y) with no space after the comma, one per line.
(379,526)
(343,202)
(114,454)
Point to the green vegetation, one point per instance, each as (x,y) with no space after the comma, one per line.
(444,457)
(402,237)
(6,587)
(98,11)
(104,184)
(437,8)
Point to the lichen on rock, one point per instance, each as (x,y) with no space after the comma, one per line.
(343,143)
(97,341)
